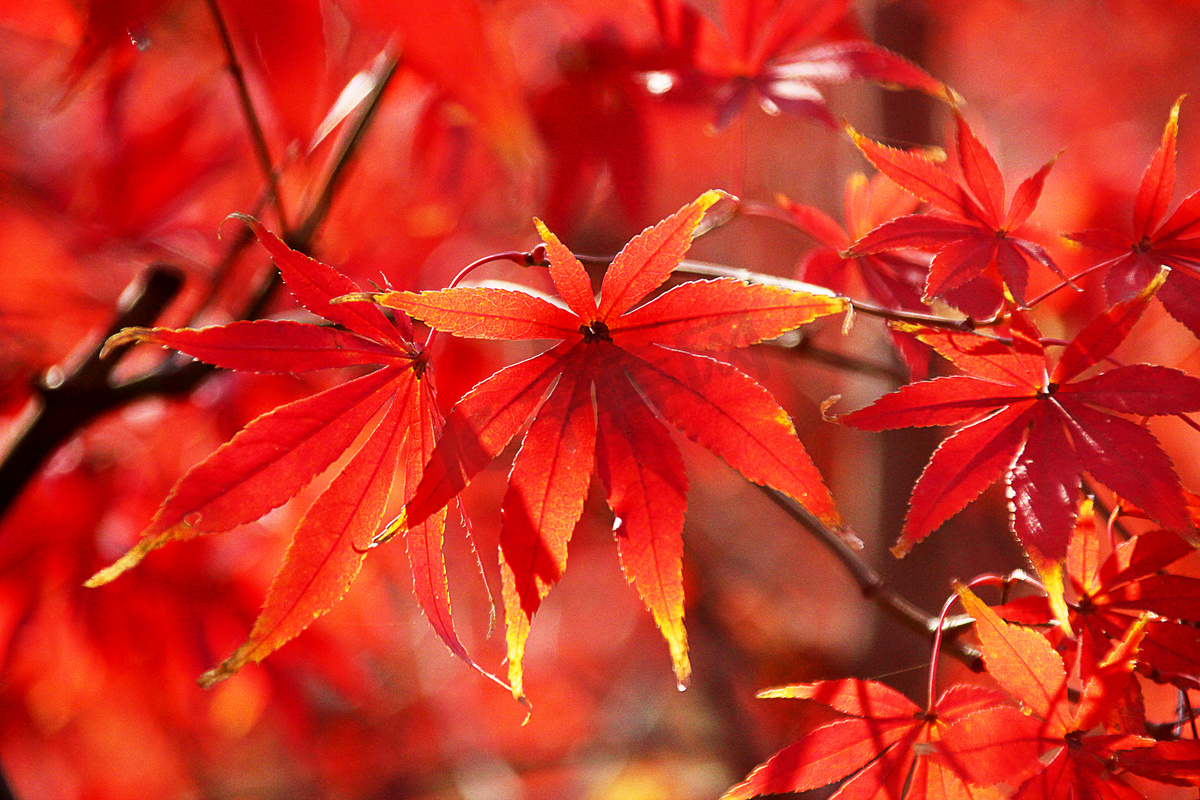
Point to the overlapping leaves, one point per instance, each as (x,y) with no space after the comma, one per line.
(278,454)
(978,259)
(882,743)
(1057,747)
(1041,428)
(598,398)
(1113,593)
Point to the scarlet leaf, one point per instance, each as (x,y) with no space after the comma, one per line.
(1022,661)
(643,476)
(546,490)
(974,240)
(1155,248)
(328,547)
(881,744)
(768,49)
(706,399)
(1040,431)
(268,346)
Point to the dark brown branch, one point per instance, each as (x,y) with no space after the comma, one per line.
(876,590)
(67,402)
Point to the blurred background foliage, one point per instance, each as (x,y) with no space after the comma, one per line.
(122,143)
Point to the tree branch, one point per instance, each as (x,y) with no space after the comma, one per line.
(257,136)
(877,591)
(67,402)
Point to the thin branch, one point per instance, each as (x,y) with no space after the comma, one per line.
(709,269)
(301,239)
(257,137)
(876,590)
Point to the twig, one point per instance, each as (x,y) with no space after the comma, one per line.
(876,590)
(301,239)
(257,137)
(67,403)
(706,268)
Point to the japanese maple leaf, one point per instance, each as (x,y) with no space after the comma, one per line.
(276,455)
(878,743)
(893,279)
(1050,749)
(1115,592)
(616,373)
(976,256)
(782,51)
(1041,428)
(1134,259)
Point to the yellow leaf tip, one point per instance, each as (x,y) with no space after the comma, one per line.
(214,676)
(121,338)
(359,297)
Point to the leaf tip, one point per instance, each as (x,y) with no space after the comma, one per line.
(131,559)
(121,338)
(359,297)
(827,404)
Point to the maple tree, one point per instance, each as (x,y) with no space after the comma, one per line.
(290,404)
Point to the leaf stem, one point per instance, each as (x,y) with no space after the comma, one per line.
(937,649)
(965,324)
(1065,283)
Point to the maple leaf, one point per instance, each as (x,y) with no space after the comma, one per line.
(1040,428)
(1114,593)
(1155,244)
(878,742)
(782,52)
(976,256)
(629,358)
(1051,751)
(276,455)
(893,279)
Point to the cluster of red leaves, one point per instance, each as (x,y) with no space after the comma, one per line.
(1039,736)
(625,369)
(1042,426)
(586,394)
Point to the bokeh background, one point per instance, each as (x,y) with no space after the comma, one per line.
(122,144)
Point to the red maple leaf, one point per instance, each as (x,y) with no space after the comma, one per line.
(893,279)
(878,742)
(627,358)
(781,51)
(1040,428)
(276,455)
(1053,748)
(977,255)
(1113,593)
(1154,244)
